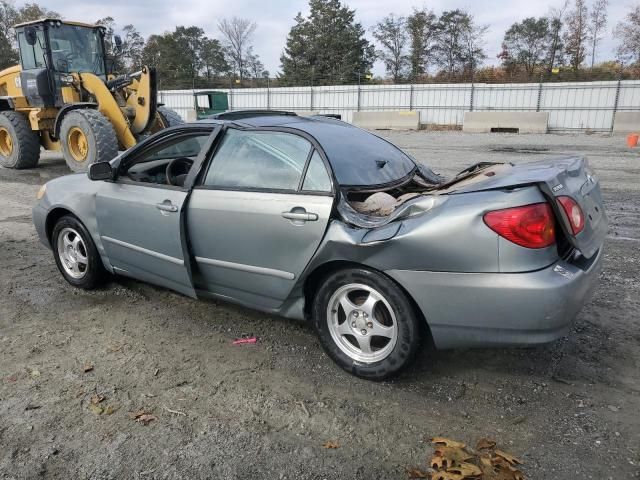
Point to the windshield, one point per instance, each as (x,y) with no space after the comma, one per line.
(76,49)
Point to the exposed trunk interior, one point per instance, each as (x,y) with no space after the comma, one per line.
(385,202)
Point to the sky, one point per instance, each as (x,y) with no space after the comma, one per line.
(274,18)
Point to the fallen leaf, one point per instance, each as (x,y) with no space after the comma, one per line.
(34,373)
(489,472)
(146,418)
(330,444)
(109,410)
(466,470)
(445,457)
(12,378)
(446,475)
(508,457)
(95,408)
(96,399)
(447,442)
(416,473)
(87,368)
(143,417)
(485,443)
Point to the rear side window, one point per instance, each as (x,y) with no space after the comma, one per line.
(264,160)
(317,179)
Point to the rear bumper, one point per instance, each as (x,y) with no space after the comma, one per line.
(500,309)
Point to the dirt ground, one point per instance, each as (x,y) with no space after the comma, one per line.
(569,410)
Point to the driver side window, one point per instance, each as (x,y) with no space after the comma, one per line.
(167,163)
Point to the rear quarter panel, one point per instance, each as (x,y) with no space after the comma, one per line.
(452,237)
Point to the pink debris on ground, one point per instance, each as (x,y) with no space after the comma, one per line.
(244,341)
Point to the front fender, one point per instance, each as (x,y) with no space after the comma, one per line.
(75,194)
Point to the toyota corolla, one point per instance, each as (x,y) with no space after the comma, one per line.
(312,218)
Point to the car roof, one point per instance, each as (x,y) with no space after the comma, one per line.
(358,158)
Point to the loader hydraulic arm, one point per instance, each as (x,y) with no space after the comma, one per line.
(108,106)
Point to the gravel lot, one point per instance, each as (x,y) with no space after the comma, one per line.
(568,410)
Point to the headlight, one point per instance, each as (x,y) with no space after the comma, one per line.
(66,79)
(41,192)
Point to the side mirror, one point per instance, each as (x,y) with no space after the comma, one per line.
(31,36)
(117,41)
(111,65)
(101,171)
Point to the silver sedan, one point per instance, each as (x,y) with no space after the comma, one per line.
(312,218)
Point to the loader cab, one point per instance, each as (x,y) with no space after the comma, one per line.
(50,50)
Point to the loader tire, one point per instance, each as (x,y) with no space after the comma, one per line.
(169,118)
(87,137)
(19,145)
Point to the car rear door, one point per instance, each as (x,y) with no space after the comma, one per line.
(258,215)
(140,223)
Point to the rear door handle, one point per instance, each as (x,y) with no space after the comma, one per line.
(300,215)
(166,207)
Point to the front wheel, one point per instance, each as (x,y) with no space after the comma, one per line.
(87,137)
(75,254)
(366,323)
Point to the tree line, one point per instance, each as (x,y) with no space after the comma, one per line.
(184,57)
(329,47)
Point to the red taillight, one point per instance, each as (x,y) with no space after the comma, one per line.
(574,213)
(530,226)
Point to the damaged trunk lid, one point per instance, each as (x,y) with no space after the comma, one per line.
(566,176)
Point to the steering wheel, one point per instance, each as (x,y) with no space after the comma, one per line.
(177,168)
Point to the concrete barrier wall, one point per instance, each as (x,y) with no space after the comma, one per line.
(525,122)
(627,122)
(402,120)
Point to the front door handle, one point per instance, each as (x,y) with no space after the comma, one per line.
(299,214)
(166,207)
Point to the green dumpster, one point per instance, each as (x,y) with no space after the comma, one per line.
(208,102)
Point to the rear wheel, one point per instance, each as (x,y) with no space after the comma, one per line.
(75,254)
(169,118)
(87,137)
(366,323)
(19,145)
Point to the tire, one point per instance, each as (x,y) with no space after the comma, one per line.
(87,137)
(90,273)
(378,302)
(19,145)
(169,118)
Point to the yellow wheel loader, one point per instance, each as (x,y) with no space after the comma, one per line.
(63,97)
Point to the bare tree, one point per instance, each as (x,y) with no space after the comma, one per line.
(628,33)
(237,34)
(576,35)
(556,19)
(598,23)
(392,35)
(458,45)
(421,25)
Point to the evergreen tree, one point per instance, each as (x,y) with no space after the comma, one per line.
(328,47)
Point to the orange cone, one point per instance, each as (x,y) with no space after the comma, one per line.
(632,140)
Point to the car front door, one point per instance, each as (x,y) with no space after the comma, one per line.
(140,215)
(258,215)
